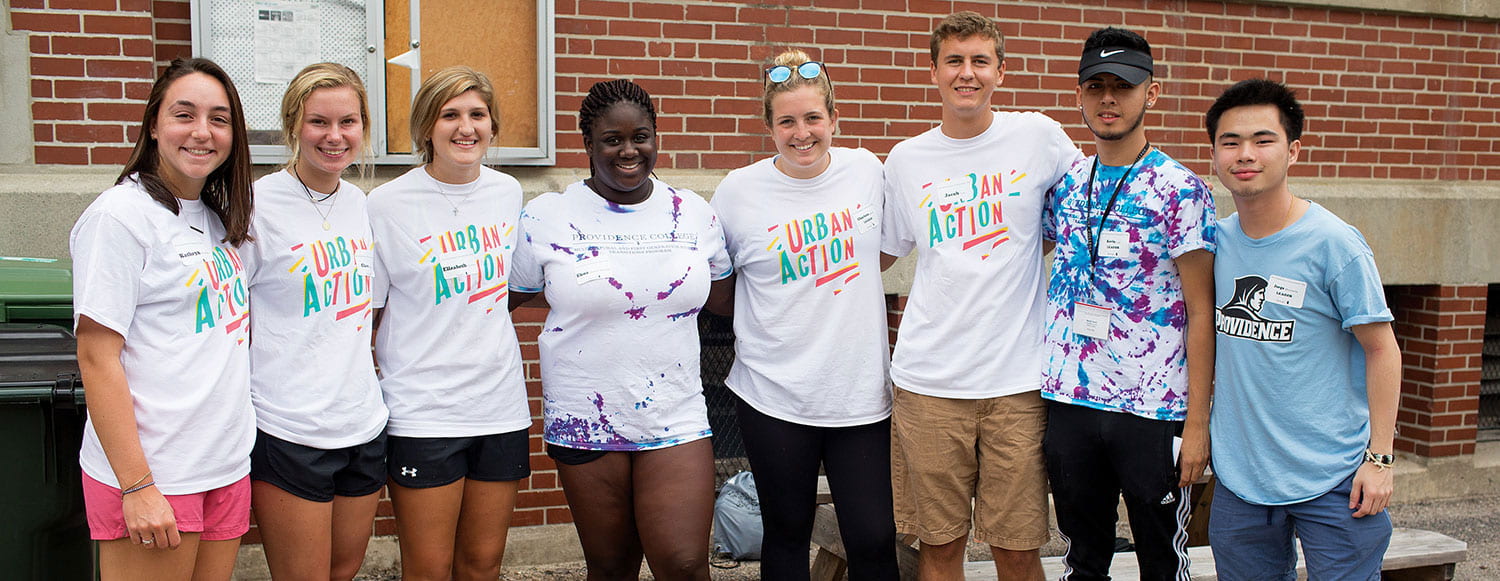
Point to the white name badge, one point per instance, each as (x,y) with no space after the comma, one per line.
(953,192)
(458,265)
(364,262)
(1114,244)
(192,253)
(865,217)
(1091,320)
(591,267)
(1286,292)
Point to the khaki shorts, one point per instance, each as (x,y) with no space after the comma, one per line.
(937,475)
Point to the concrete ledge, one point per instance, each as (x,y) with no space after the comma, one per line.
(525,547)
(1420,479)
(1475,9)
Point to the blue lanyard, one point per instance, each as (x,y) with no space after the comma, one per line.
(1088,228)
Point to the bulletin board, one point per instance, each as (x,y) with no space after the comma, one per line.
(263,43)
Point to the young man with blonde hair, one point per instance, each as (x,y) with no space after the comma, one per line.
(968,421)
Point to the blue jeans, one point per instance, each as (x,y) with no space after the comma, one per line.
(1252,541)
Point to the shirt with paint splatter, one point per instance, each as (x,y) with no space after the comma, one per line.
(1162,212)
(809,314)
(311,376)
(450,365)
(972,211)
(619,348)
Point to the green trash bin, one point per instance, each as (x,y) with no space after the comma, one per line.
(44,534)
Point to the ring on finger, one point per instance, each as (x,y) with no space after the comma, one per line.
(146,541)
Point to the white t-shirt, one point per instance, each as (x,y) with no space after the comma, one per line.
(312,377)
(972,208)
(809,315)
(619,350)
(450,365)
(176,292)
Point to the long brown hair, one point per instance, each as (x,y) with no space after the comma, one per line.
(227,190)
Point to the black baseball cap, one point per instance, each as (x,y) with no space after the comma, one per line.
(1127,63)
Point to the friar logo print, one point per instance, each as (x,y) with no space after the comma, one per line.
(1241,317)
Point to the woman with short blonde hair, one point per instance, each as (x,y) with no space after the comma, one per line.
(449,360)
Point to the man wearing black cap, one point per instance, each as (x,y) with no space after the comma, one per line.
(1129,332)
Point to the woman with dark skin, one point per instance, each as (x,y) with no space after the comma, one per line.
(626,262)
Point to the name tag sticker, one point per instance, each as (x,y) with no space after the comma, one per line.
(457,265)
(1091,320)
(952,192)
(192,253)
(865,217)
(1286,292)
(591,265)
(364,262)
(1114,244)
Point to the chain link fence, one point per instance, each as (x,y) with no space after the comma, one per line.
(716,336)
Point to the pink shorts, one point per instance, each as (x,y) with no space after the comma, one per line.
(218,515)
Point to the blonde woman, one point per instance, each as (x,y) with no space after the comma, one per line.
(319,457)
(450,365)
(803,231)
(159,297)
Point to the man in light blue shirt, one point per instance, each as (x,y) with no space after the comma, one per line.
(1308,371)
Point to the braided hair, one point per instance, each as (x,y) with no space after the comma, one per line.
(606,94)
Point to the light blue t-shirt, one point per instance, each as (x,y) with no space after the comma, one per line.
(1291,415)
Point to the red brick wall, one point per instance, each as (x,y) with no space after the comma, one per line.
(1441,331)
(90,70)
(1388,96)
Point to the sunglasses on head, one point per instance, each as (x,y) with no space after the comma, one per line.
(807,70)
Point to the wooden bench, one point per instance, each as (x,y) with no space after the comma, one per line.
(831,564)
(1413,555)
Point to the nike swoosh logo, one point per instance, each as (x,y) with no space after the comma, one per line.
(1104,54)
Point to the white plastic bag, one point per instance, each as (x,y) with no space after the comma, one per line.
(737,526)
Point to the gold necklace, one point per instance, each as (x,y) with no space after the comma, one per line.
(321,214)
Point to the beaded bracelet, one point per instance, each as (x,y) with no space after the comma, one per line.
(138,481)
(138,488)
(1382,462)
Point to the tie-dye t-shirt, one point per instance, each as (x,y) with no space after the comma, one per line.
(619,349)
(1161,213)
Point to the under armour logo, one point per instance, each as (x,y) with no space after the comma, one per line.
(1168,499)
(412,472)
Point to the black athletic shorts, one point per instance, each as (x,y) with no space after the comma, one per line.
(317,474)
(431,462)
(573,456)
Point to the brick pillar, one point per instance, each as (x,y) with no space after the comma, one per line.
(1441,332)
(91,68)
(541,499)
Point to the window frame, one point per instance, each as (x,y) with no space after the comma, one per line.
(542,154)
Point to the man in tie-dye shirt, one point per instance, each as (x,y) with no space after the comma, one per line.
(1129,341)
